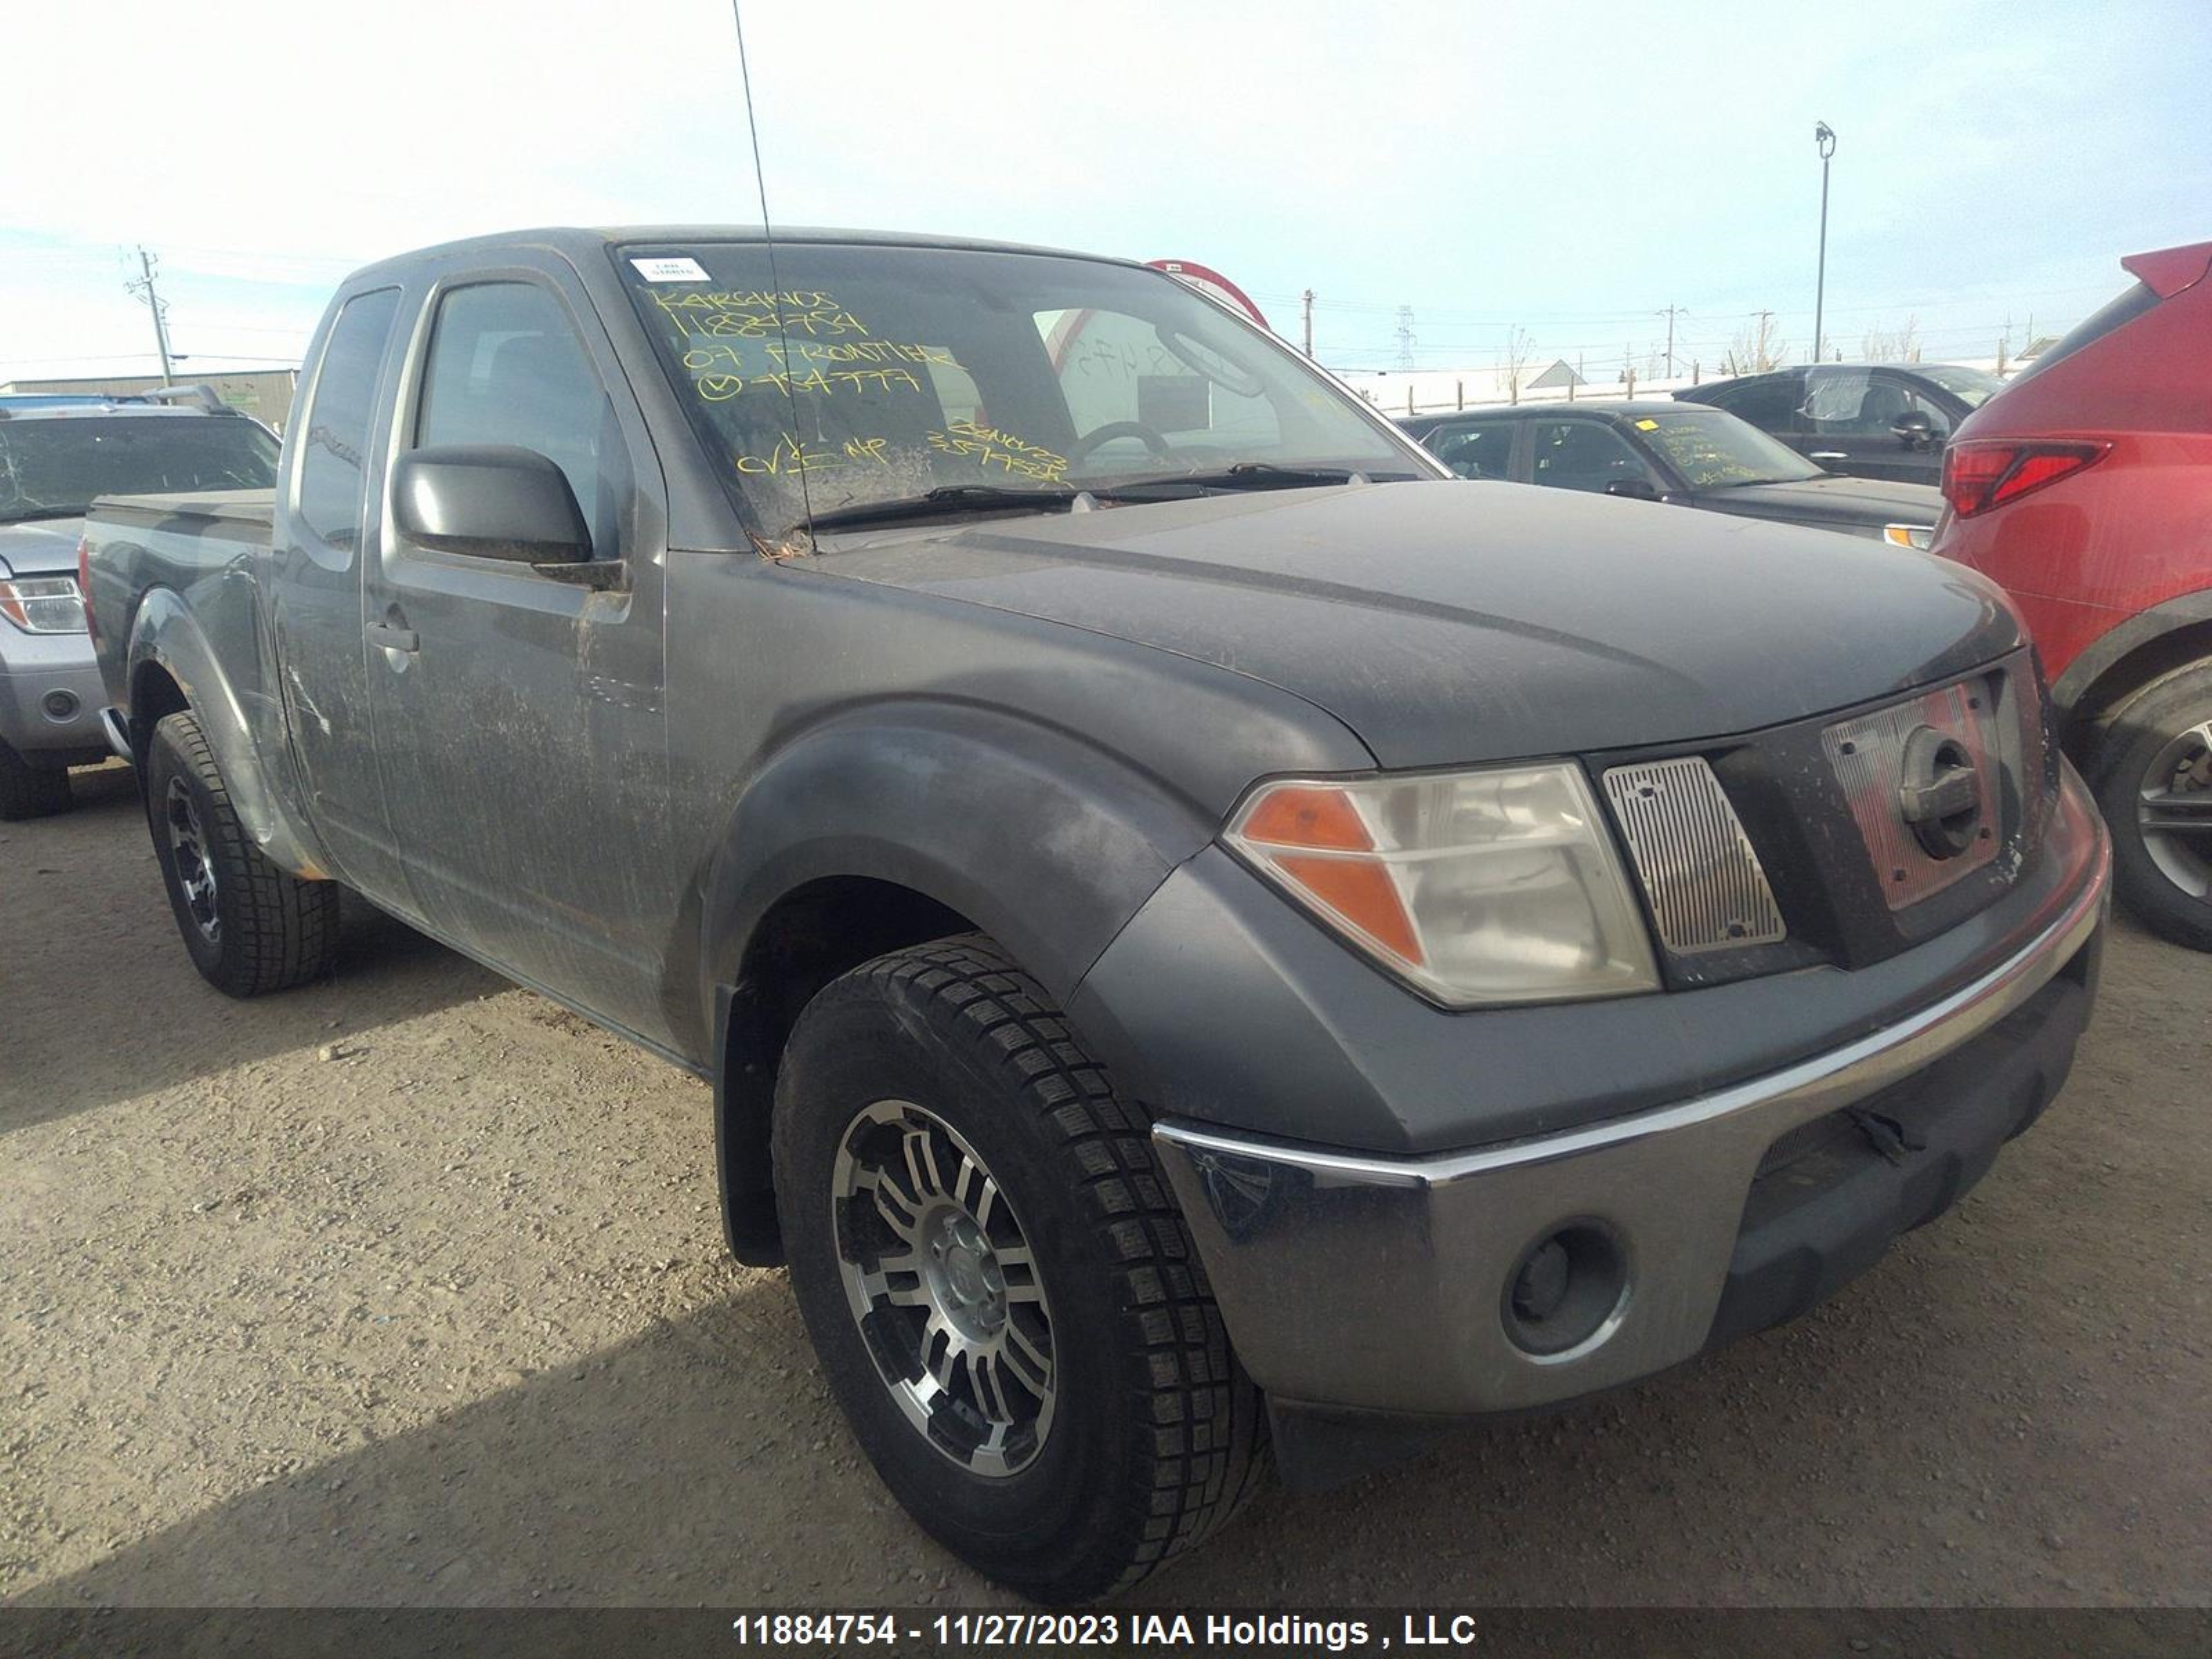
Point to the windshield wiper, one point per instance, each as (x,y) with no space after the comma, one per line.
(1244,475)
(945,501)
(44,512)
(948,500)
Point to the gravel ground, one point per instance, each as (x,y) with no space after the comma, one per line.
(409,1288)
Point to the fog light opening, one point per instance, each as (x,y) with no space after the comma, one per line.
(59,705)
(1566,1288)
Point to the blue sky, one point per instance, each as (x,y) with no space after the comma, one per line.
(1564,168)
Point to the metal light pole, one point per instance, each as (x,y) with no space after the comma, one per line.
(1824,138)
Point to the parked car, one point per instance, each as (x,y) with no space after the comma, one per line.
(1677,453)
(1184,930)
(1865,420)
(54,459)
(2086,490)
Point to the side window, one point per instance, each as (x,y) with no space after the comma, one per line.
(1585,455)
(1115,369)
(1769,403)
(335,435)
(1855,402)
(505,367)
(1918,402)
(1483,451)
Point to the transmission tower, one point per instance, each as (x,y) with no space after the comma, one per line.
(1404,336)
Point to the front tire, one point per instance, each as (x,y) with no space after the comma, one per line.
(28,791)
(1002,1294)
(2155,788)
(250,926)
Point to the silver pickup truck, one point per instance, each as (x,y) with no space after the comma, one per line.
(1210,939)
(55,456)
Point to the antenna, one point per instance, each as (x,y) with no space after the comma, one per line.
(768,240)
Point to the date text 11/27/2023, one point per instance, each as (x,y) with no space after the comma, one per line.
(1020,1630)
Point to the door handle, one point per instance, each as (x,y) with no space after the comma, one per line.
(1826,455)
(393,639)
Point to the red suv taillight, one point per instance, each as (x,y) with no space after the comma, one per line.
(1982,473)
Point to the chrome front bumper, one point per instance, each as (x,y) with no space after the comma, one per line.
(1382,1284)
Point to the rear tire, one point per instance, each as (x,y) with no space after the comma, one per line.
(250,926)
(2154,771)
(28,791)
(939,1072)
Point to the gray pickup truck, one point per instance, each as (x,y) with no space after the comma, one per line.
(1208,936)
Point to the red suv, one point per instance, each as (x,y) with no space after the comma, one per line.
(2085,488)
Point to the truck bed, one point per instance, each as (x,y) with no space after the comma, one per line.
(240,515)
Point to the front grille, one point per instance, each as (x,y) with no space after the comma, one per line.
(1869,754)
(1700,871)
(1781,848)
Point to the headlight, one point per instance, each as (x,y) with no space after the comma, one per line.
(1922,535)
(43,604)
(1499,885)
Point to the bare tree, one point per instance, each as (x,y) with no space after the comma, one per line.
(1756,347)
(1513,361)
(1884,344)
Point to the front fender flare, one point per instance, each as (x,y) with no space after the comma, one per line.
(1044,840)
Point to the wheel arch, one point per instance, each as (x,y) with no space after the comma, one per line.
(172,666)
(2125,661)
(866,836)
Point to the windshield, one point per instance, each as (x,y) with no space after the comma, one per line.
(874,374)
(1971,387)
(1714,450)
(51,469)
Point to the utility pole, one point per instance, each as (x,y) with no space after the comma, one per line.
(1758,353)
(1670,313)
(1308,299)
(1823,140)
(145,286)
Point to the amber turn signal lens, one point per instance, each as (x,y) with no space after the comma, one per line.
(1363,894)
(1296,814)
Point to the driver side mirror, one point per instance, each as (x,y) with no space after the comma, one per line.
(1914,429)
(1635,490)
(489,501)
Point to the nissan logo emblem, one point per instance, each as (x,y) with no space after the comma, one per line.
(1939,792)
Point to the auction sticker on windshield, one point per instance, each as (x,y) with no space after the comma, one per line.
(671,270)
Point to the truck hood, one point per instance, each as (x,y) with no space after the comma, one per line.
(39,547)
(1446,622)
(1846,503)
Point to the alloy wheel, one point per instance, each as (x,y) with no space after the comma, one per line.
(943,1283)
(188,851)
(2174,811)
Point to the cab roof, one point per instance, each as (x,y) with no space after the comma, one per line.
(1627,408)
(579,244)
